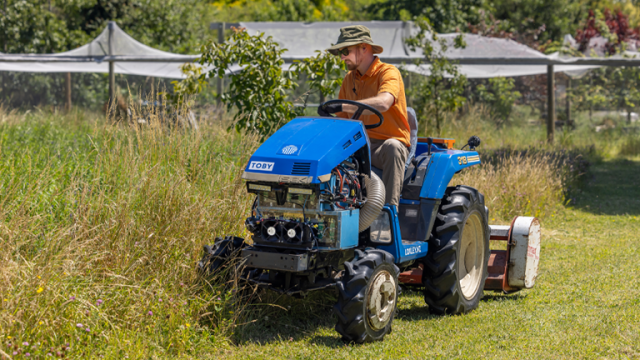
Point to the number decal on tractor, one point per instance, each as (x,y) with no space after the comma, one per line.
(462,160)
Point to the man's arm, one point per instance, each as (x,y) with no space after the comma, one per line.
(381,102)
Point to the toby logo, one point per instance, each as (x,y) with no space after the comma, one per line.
(412,250)
(261,166)
(289,149)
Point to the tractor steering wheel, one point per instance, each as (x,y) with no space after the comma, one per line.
(361,108)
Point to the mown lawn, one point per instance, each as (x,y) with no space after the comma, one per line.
(586,303)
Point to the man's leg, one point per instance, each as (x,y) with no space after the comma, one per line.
(390,156)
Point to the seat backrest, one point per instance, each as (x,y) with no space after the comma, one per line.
(413,125)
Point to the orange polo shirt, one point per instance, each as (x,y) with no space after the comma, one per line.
(379,78)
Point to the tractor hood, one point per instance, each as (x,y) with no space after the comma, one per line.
(306,150)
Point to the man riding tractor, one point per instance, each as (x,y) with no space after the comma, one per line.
(322,218)
(380,86)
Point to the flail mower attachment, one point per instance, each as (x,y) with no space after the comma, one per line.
(510,270)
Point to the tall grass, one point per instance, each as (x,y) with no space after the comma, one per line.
(630,146)
(526,183)
(100,228)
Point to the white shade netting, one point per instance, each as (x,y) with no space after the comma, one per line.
(90,58)
(302,40)
(498,57)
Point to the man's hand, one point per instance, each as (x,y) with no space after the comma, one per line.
(327,110)
(381,102)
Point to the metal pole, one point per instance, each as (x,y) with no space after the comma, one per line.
(68,92)
(112,76)
(568,92)
(4,48)
(220,82)
(551,104)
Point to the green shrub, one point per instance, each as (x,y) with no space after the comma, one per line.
(500,97)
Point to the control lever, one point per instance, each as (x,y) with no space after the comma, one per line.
(429,142)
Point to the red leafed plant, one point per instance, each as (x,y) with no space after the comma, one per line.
(614,26)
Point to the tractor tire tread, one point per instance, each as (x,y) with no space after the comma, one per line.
(440,277)
(352,294)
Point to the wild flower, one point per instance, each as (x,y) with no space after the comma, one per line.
(79,325)
(72,298)
(40,289)
(99,302)
(150,313)
(87,330)
(27,354)
(25,343)
(159,300)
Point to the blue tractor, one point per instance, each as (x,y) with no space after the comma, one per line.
(319,220)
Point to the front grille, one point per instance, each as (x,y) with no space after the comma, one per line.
(301,169)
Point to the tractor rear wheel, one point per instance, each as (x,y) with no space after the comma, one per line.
(367,296)
(455,267)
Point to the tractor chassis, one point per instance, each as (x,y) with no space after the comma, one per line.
(294,273)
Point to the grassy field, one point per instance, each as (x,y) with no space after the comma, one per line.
(100,227)
(586,303)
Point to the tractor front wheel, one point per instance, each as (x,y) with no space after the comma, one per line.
(367,296)
(455,267)
(217,255)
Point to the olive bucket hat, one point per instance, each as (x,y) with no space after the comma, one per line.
(354,35)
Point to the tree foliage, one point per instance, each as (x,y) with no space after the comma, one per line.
(442,90)
(258,91)
(324,73)
(47,26)
(613,26)
(500,96)
(615,86)
(443,15)
(282,10)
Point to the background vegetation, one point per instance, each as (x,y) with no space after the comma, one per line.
(182,26)
(101,222)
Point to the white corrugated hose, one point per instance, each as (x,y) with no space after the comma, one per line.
(375,201)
